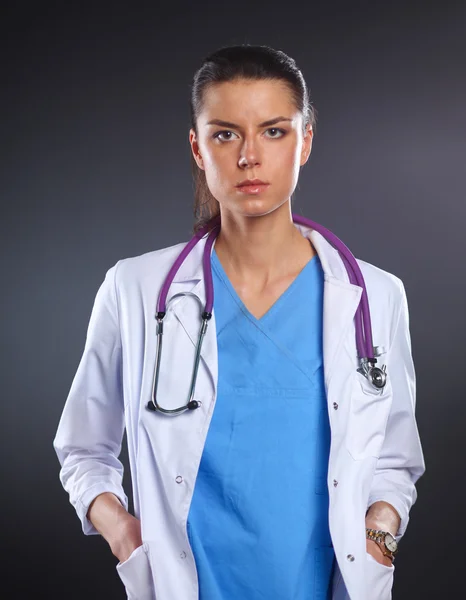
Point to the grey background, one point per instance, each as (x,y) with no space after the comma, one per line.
(95,167)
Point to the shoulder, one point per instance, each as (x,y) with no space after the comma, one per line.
(380,279)
(155,263)
(386,296)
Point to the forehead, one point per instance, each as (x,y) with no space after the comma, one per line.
(245,98)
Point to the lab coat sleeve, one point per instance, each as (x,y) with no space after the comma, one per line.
(401,462)
(90,432)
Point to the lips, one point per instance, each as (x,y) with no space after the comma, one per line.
(252,182)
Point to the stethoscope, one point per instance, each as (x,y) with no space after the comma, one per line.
(377,376)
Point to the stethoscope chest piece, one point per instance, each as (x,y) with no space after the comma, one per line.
(377,376)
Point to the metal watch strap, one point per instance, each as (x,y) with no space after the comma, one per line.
(377,535)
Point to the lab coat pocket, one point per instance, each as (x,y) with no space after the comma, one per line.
(379,579)
(136,575)
(367,419)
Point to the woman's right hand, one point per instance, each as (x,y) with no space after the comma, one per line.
(127,538)
(118,527)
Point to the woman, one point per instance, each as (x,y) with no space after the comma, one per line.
(273,487)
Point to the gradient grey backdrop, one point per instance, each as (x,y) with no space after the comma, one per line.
(95,167)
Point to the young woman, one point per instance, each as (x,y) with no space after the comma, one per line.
(275,480)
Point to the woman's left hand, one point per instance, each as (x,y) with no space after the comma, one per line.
(381,516)
(376,552)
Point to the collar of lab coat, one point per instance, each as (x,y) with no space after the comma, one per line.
(332,264)
(340,300)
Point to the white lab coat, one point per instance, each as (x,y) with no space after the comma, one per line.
(375,449)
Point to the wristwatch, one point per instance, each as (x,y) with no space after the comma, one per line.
(385,540)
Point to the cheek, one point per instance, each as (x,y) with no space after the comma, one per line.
(219,167)
(287,164)
(214,175)
(289,155)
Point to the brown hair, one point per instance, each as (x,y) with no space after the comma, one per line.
(241,62)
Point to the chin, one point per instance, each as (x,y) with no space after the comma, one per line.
(260,210)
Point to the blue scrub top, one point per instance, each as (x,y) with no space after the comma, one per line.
(258,520)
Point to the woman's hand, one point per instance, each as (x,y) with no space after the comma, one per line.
(127,538)
(117,526)
(376,552)
(381,516)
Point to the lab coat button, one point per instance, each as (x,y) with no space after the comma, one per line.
(183,554)
(179,479)
(350,557)
(335,483)
(335,406)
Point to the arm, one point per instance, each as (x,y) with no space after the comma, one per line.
(401,461)
(119,528)
(89,436)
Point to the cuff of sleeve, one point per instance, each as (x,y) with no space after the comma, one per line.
(394,500)
(82,505)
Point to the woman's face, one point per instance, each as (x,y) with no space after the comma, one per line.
(244,148)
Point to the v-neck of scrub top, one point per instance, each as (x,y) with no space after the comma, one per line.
(217,265)
(300,305)
(258,520)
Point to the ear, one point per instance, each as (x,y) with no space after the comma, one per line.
(195,148)
(307,145)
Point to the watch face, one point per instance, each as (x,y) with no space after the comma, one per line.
(390,542)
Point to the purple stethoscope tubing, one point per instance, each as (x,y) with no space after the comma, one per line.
(352,267)
(363,325)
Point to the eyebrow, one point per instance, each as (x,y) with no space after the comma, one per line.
(234,126)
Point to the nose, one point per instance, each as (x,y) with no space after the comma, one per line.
(249,155)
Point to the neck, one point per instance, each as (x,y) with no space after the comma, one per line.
(260,250)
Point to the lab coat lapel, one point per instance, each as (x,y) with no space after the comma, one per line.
(190,278)
(340,301)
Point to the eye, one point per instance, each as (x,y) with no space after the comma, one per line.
(219,133)
(225,131)
(282,131)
